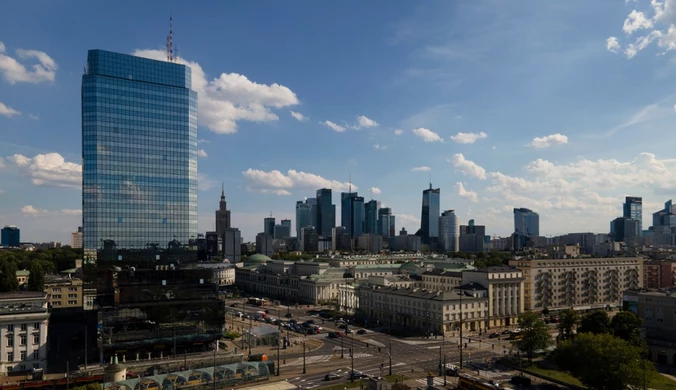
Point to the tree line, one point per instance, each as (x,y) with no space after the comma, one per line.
(602,353)
(39,263)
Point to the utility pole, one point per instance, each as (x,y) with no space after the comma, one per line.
(461,294)
(390,358)
(304,357)
(214,375)
(243,312)
(279,341)
(440,348)
(85,347)
(342,343)
(444,370)
(352,373)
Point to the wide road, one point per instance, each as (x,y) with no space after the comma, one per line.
(413,357)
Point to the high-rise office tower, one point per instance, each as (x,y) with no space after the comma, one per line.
(472,237)
(326,212)
(281,231)
(371,217)
(11,237)
(304,215)
(386,226)
(269,226)
(633,208)
(449,232)
(222,215)
(232,245)
(429,221)
(526,224)
(139,152)
(352,213)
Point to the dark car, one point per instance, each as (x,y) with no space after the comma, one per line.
(293,322)
(331,376)
(506,331)
(494,335)
(361,331)
(357,375)
(289,315)
(234,305)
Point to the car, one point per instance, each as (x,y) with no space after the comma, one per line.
(494,335)
(357,375)
(506,331)
(292,321)
(234,305)
(332,376)
(361,331)
(342,326)
(289,315)
(348,331)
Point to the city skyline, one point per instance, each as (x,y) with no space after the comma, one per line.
(527,136)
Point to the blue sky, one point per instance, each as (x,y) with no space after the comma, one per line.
(563,107)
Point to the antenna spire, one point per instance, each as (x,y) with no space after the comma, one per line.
(349,189)
(170,40)
(430,180)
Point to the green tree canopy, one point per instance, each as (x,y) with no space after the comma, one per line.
(568,320)
(36,280)
(596,322)
(603,361)
(627,326)
(8,282)
(535,335)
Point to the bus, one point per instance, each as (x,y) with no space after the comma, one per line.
(259,301)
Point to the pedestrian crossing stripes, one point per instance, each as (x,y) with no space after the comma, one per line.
(361,355)
(419,342)
(374,343)
(438,381)
(310,360)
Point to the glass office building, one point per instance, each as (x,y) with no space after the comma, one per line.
(429,219)
(139,151)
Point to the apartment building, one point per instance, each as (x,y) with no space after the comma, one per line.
(505,291)
(659,274)
(583,284)
(657,308)
(433,312)
(64,293)
(439,279)
(24,317)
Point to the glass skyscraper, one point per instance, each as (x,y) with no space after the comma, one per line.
(633,208)
(371,217)
(429,219)
(139,151)
(326,212)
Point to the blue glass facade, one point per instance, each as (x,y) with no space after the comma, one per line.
(11,237)
(139,151)
(325,212)
(429,219)
(633,208)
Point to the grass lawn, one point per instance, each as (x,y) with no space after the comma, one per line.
(659,382)
(352,385)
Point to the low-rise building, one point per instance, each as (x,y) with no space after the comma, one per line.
(658,311)
(24,319)
(22,276)
(434,312)
(659,274)
(439,279)
(583,284)
(222,274)
(505,291)
(64,293)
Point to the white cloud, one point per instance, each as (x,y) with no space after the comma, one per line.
(14,71)
(231,97)
(421,168)
(203,141)
(364,122)
(468,138)
(34,212)
(379,147)
(467,167)
(34,117)
(300,117)
(204,183)
(427,135)
(398,132)
(547,141)
(464,193)
(49,169)
(613,44)
(8,111)
(375,191)
(2,162)
(414,222)
(334,126)
(279,183)
(202,153)
(641,43)
(636,21)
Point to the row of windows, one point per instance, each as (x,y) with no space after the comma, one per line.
(10,357)
(23,327)
(101,112)
(108,143)
(23,339)
(104,93)
(131,72)
(91,128)
(167,157)
(125,88)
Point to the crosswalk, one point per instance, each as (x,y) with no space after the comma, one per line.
(361,355)
(310,336)
(419,342)
(438,381)
(310,360)
(374,343)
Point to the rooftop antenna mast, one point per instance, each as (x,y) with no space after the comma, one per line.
(170,40)
(430,180)
(349,188)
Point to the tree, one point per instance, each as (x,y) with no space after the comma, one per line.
(627,326)
(36,279)
(596,322)
(568,320)
(534,335)
(545,311)
(8,282)
(603,361)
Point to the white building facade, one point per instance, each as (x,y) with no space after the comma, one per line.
(24,318)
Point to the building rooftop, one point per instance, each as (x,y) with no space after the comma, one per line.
(498,269)
(471,286)
(23,272)
(442,272)
(421,293)
(378,266)
(257,258)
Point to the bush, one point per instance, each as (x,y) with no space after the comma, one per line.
(231,335)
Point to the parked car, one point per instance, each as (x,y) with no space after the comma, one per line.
(361,331)
(494,335)
(289,315)
(357,375)
(332,376)
(506,331)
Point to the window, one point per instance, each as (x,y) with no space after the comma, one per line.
(9,369)
(10,356)
(36,326)
(23,355)
(72,302)
(36,354)
(10,341)
(24,326)
(72,295)
(56,289)
(36,338)
(23,367)
(10,328)
(23,340)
